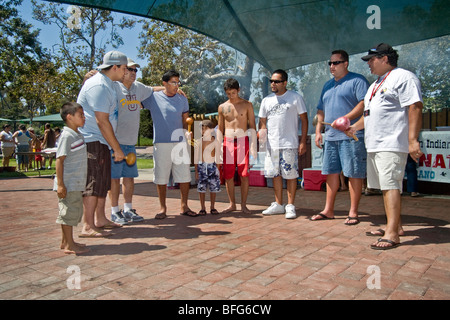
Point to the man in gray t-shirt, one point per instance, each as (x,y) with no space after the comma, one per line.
(130,93)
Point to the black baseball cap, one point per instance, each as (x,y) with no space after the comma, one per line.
(380,50)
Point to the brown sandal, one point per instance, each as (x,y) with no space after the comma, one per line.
(189,213)
(161,216)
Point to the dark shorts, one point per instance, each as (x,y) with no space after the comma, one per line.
(99,170)
(208,177)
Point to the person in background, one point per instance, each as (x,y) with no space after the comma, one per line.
(36,146)
(7,144)
(22,138)
(57,135)
(48,143)
(412,184)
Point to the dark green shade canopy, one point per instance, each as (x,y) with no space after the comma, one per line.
(290,33)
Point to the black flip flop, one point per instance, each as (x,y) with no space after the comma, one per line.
(392,245)
(160,216)
(350,223)
(324,217)
(189,213)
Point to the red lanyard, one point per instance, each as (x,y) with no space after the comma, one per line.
(375,89)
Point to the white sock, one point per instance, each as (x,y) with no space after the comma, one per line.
(127,207)
(115,209)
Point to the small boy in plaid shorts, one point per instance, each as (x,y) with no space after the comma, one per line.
(206,171)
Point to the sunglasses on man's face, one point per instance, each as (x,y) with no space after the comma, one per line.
(335,63)
(276,81)
(132,70)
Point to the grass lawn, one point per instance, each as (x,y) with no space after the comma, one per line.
(141,163)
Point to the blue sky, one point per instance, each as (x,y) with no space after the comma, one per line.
(50,35)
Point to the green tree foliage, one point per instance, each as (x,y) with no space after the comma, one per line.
(81,47)
(25,67)
(204,64)
(429,60)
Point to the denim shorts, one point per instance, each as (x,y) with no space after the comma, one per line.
(121,169)
(348,156)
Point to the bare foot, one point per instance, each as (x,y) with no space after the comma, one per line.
(244,209)
(76,249)
(94,233)
(320,216)
(107,224)
(63,245)
(381,232)
(231,208)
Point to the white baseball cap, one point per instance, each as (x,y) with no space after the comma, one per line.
(113,58)
(132,63)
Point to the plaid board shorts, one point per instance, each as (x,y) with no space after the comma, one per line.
(208,176)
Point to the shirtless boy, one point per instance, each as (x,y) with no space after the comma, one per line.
(236,116)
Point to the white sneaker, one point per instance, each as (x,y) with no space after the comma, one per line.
(290,211)
(274,208)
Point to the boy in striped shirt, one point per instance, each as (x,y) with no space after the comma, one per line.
(71,173)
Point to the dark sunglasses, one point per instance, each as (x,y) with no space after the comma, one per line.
(276,81)
(132,70)
(335,63)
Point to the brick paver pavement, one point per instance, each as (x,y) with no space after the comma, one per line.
(227,256)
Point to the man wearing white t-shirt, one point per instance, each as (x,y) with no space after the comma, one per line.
(278,118)
(392,121)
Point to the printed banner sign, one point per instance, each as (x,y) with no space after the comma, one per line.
(434,165)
